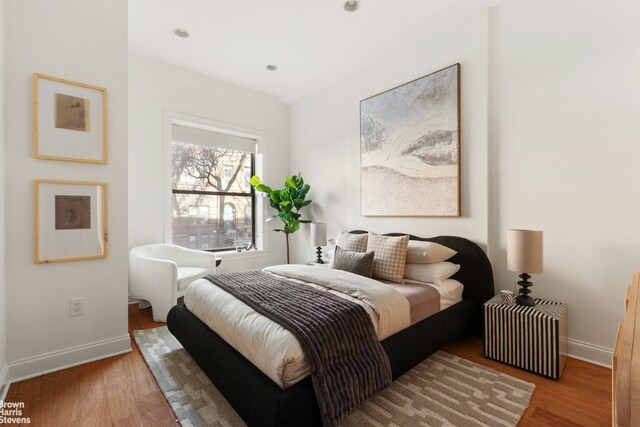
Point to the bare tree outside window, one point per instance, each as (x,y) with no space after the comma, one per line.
(211,196)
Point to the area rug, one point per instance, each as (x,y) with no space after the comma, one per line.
(444,390)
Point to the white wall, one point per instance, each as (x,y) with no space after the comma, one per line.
(556,86)
(325,138)
(565,151)
(3,283)
(156,88)
(85,41)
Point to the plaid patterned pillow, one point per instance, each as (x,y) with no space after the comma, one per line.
(390,254)
(352,242)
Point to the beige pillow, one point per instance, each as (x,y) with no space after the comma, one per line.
(352,242)
(420,252)
(390,254)
(431,273)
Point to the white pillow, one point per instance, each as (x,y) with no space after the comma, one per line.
(329,250)
(420,252)
(430,273)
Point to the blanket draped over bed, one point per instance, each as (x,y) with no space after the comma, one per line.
(348,364)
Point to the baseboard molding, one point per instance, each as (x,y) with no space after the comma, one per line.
(4,384)
(55,361)
(591,353)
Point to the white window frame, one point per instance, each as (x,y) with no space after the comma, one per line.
(173,118)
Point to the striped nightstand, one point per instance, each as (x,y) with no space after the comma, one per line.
(532,338)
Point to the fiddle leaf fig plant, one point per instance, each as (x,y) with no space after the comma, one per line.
(287,201)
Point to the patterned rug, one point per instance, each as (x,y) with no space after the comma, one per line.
(443,391)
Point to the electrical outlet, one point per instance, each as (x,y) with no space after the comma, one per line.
(76,307)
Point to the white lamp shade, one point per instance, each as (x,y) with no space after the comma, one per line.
(318,234)
(524,251)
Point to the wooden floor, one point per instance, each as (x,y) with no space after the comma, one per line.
(582,396)
(121,391)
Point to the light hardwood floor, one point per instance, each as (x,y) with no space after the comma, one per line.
(121,391)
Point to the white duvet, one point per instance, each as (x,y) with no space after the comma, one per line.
(270,347)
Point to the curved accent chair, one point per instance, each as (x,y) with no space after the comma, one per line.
(160,273)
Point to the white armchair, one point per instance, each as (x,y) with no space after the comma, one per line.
(159,274)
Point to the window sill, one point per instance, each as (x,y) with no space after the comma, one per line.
(234,255)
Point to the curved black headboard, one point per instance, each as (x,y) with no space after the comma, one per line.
(475,271)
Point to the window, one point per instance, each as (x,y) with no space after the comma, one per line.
(248,215)
(212,201)
(228,174)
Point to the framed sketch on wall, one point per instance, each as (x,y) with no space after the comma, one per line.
(410,148)
(69,120)
(70,220)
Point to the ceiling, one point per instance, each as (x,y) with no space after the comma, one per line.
(314,43)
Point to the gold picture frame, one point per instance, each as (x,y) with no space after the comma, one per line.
(70,120)
(70,220)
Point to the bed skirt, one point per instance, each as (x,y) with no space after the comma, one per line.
(261,402)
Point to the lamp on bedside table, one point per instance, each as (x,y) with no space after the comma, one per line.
(524,255)
(319,238)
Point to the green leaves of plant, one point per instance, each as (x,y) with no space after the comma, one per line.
(287,201)
(256,182)
(263,188)
(288,182)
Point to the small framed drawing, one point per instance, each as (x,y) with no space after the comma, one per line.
(69,120)
(70,221)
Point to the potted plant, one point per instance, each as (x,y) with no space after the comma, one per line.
(288,201)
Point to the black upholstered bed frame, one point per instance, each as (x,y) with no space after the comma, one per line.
(261,402)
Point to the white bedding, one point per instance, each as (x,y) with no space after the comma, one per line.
(270,347)
(450,291)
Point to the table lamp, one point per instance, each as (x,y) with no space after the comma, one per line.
(319,238)
(524,255)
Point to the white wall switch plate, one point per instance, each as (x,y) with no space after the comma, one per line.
(76,307)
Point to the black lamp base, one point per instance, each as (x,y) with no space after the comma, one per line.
(319,254)
(524,298)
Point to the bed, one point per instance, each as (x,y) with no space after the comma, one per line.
(260,401)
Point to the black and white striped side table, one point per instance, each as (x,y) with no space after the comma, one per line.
(532,338)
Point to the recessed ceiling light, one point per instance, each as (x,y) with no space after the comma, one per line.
(181,32)
(271,67)
(351,5)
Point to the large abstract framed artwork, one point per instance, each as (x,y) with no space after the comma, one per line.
(70,221)
(410,148)
(69,120)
